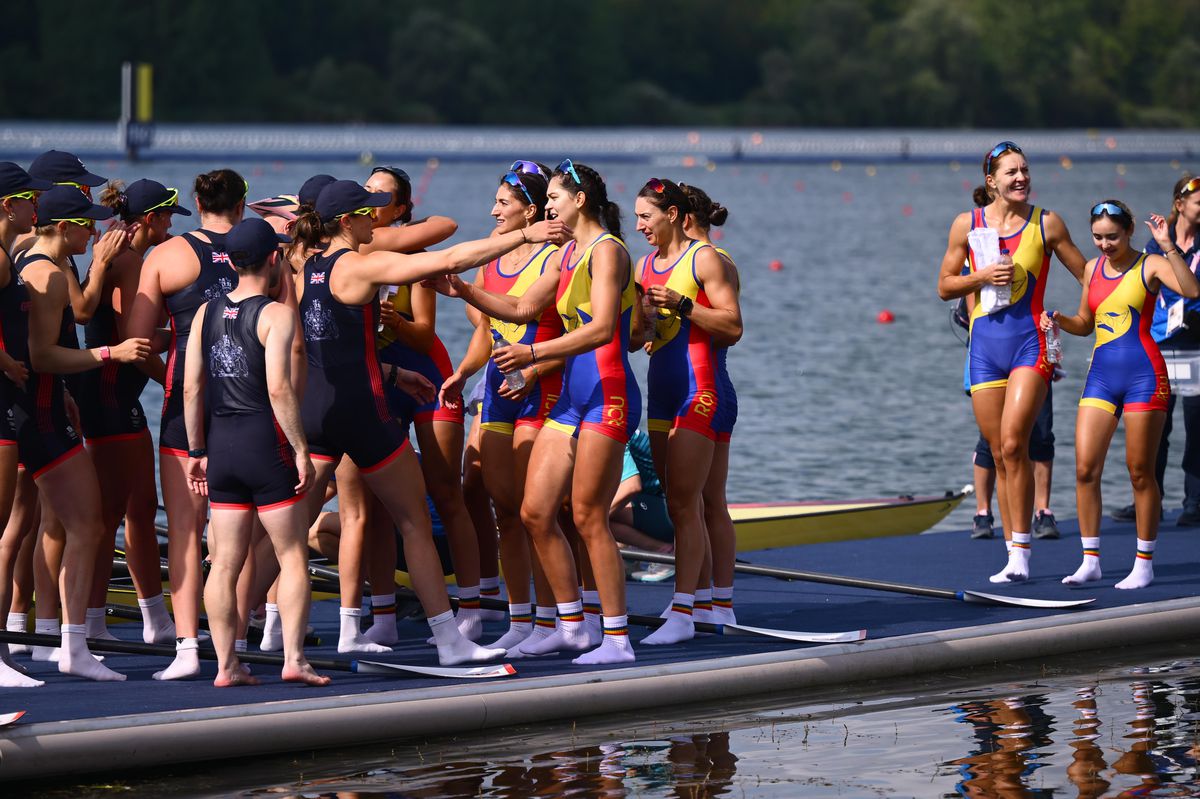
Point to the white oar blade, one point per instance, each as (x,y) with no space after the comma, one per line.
(451,672)
(792,635)
(10,718)
(1022,602)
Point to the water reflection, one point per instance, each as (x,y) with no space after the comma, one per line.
(1152,753)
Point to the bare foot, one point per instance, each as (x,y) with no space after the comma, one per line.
(234,678)
(304,673)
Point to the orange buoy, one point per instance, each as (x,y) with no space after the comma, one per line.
(907,210)
(885,317)
(776,266)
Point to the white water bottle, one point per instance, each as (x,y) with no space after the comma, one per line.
(515,379)
(1053,344)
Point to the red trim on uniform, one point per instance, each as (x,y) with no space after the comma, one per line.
(323,458)
(1154,404)
(4,442)
(231,506)
(723,438)
(118,437)
(696,425)
(1043,367)
(59,461)
(530,421)
(374,376)
(177,453)
(607,430)
(171,350)
(377,466)
(283,503)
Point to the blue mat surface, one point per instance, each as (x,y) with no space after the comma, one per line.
(943,560)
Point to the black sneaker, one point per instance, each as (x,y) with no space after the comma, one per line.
(983,526)
(1125,514)
(1190,517)
(1044,525)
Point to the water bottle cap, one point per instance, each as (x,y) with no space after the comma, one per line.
(1004,251)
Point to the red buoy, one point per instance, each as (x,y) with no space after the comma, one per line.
(885,317)
(776,266)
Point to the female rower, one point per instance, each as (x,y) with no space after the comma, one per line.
(344,409)
(178,277)
(695,308)
(580,448)
(510,418)
(18,211)
(722,539)
(110,409)
(46,438)
(1127,374)
(1009,368)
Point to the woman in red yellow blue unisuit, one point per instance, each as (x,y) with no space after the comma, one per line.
(695,310)
(1127,374)
(1009,368)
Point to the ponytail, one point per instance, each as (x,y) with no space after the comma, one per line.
(1176,195)
(114,197)
(597,204)
(610,217)
(981,196)
(308,231)
(220,191)
(702,208)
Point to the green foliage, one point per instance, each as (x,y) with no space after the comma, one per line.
(919,63)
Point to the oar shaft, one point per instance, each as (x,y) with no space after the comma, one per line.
(809,577)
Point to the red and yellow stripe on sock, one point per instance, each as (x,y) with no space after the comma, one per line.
(679,607)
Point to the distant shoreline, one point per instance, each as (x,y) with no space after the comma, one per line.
(22,139)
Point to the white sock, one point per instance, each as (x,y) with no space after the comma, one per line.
(45,627)
(678,626)
(186,664)
(350,637)
(16,623)
(1017,567)
(591,617)
(383,620)
(1143,567)
(520,626)
(157,627)
(74,657)
(1089,570)
(615,648)
(544,626)
(97,625)
(453,647)
(12,675)
(489,588)
(470,622)
(569,634)
(272,640)
(702,609)
(723,605)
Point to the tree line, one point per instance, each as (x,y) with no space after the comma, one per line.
(824,63)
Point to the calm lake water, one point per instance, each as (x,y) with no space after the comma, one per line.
(832,404)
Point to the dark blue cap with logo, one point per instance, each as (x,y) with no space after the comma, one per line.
(344,196)
(145,195)
(251,241)
(312,188)
(14,180)
(68,202)
(59,167)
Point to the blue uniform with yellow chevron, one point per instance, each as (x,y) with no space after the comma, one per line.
(1010,338)
(501,414)
(682,378)
(599,391)
(1127,371)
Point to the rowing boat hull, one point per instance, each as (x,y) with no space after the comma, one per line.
(772,525)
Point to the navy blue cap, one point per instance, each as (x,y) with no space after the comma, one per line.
(344,196)
(59,167)
(14,180)
(312,188)
(68,202)
(251,241)
(145,195)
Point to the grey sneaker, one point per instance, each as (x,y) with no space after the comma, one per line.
(983,526)
(654,573)
(1125,514)
(1044,525)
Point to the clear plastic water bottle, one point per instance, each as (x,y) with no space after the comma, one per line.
(1053,344)
(1001,296)
(515,379)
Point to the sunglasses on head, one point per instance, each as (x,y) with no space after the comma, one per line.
(87,224)
(567,167)
(655,185)
(527,168)
(512,179)
(997,151)
(174,195)
(21,195)
(357,212)
(1113,210)
(1189,187)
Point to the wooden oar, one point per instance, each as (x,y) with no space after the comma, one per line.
(330,664)
(977,597)
(654,622)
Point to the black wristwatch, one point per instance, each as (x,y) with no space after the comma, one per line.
(685,306)
(197,453)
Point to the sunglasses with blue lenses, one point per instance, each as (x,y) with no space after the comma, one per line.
(513,179)
(528,168)
(567,167)
(1113,210)
(997,151)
